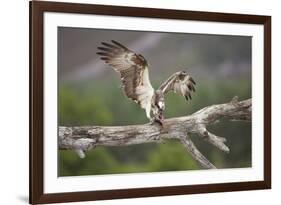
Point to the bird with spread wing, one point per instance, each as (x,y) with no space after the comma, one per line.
(133,70)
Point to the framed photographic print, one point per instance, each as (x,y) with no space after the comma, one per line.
(135,102)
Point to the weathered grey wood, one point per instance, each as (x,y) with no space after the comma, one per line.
(81,139)
(196,154)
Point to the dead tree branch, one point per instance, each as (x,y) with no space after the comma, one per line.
(85,138)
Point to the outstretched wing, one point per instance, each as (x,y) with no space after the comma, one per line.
(133,71)
(181,83)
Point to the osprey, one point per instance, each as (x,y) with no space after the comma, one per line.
(133,70)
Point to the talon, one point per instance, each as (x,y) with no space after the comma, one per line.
(151,121)
(156,120)
(159,121)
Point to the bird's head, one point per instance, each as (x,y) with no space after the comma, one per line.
(182,74)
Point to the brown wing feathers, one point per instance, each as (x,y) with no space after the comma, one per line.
(127,63)
(131,67)
(181,83)
(130,81)
(187,86)
(111,52)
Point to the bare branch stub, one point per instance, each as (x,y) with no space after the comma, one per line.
(81,139)
(196,154)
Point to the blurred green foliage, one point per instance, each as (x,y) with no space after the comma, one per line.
(75,109)
(103,103)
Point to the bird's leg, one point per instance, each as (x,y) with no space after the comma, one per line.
(147,111)
(152,119)
(158,116)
